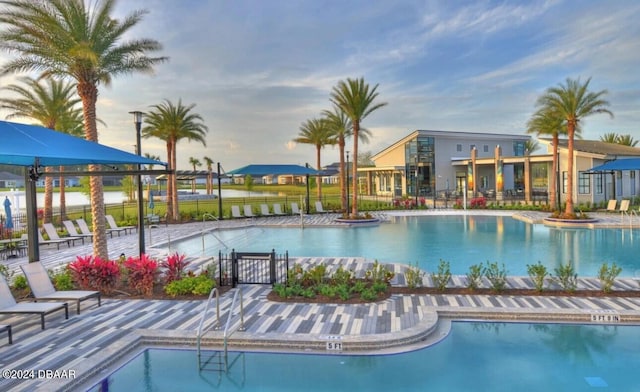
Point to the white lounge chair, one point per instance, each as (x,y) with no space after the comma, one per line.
(71,229)
(264,210)
(115,228)
(84,227)
(295,210)
(235,212)
(319,208)
(277,209)
(624,207)
(53,234)
(56,242)
(611,206)
(8,304)
(248,211)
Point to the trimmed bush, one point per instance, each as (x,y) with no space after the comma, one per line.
(142,272)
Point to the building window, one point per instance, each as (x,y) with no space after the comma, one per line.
(584,183)
(459,148)
(486,148)
(564,182)
(599,183)
(632,181)
(518,149)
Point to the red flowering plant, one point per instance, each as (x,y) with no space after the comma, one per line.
(95,273)
(142,272)
(478,202)
(174,267)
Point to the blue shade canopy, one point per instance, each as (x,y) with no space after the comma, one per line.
(273,170)
(22,144)
(618,164)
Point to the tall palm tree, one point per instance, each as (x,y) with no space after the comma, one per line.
(531,146)
(171,123)
(544,122)
(342,128)
(209,162)
(53,105)
(356,100)
(71,125)
(573,102)
(626,140)
(194,162)
(67,38)
(316,131)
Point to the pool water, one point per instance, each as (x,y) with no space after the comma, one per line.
(474,357)
(460,240)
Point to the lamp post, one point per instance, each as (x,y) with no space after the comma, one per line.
(416,182)
(137,120)
(347,176)
(307,181)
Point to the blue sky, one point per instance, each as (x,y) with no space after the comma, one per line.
(257,69)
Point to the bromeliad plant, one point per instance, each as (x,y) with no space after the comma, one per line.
(91,273)
(142,274)
(175,267)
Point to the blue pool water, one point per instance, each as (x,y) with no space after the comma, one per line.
(460,240)
(474,357)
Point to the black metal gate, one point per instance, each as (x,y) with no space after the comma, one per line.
(253,268)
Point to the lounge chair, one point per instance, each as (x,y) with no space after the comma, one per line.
(56,242)
(43,290)
(84,228)
(53,234)
(624,207)
(319,208)
(248,211)
(295,210)
(235,212)
(8,304)
(71,229)
(277,209)
(611,206)
(117,229)
(7,328)
(264,210)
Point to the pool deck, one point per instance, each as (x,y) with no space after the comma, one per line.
(101,337)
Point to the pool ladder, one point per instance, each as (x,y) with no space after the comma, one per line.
(221,356)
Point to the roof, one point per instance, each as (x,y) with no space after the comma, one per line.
(618,164)
(23,145)
(274,170)
(598,147)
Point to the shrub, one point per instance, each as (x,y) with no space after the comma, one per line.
(474,276)
(174,266)
(62,279)
(537,273)
(443,276)
(197,285)
(369,294)
(478,202)
(6,272)
(142,274)
(413,276)
(497,276)
(379,273)
(91,273)
(566,277)
(607,276)
(315,275)
(342,276)
(20,282)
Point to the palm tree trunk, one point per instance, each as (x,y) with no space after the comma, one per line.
(89,95)
(354,195)
(570,134)
(169,194)
(343,178)
(176,211)
(554,173)
(319,177)
(48,197)
(63,197)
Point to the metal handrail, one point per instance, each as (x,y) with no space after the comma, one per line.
(204,316)
(226,333)
(204,218)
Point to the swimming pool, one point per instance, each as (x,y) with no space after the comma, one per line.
(462,240)
(474,357)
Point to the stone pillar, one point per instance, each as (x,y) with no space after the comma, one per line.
(499,175)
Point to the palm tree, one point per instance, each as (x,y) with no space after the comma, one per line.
(317,132)
(342,128)
(544,122)
(53,105)
(356,100)
(65,38)
(170,123)
(626,140)
(610,137)
(531,146)
(194,162)
(572,102)
(71,125)
(209,162)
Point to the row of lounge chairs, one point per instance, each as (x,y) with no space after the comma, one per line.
(83,233)
(46,298)
(264,210)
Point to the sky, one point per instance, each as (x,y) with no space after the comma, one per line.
(256,70)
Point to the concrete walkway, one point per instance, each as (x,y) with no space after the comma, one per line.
(100,337)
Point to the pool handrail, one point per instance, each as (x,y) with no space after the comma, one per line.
(226,333)
(204,316)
